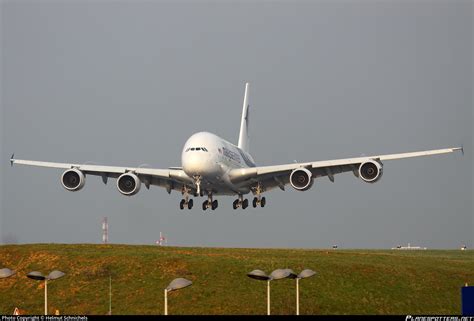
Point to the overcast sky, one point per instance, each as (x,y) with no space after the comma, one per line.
(126,83)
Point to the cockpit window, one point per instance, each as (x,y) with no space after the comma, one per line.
(204,149)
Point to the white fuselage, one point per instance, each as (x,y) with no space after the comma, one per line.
(211,158)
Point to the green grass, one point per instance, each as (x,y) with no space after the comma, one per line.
(348,281)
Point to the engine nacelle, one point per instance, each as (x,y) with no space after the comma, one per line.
(73,179)
(301,179)
(128,184)
(371,171)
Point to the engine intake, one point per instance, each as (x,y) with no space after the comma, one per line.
(371,171)
(128,184)
(301,179)
(73,179)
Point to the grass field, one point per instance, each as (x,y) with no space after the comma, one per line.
(348,281)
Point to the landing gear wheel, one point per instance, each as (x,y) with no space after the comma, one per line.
(181,204)
(190,204)
(245,204)
(204,205)
(254,202)
(214,205)
(235,204)
(262,202)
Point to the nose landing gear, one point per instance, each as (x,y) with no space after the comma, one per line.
(197,182)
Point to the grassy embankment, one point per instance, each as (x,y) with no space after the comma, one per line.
(348,281)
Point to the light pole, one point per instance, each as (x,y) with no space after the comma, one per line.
(303,275)
(176,284)
(35,275)
(110,295)
(275,275)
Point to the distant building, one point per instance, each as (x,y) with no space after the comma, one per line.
(409,247)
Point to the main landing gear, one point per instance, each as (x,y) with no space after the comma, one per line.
(209,203)
(256,202)
(259,200)
(240,202)
(185,202)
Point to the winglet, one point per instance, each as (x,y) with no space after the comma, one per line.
(12,160)
(460,148)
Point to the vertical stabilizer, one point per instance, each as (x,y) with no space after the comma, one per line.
(244,124)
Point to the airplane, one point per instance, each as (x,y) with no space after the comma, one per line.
(210,166)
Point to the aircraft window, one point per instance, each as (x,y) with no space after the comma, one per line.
(204,149)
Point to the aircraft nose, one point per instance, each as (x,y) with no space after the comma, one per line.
(195,164)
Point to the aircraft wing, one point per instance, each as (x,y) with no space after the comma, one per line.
(278,175)
(170,179)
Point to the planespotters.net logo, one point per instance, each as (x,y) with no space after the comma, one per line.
(437,318)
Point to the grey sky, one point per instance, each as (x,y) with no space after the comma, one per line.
(125,83)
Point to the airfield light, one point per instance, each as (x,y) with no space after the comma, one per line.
(176,284)
(6,272)
(278,274)
(303,275)
(258,275)
(283,274)
(35,275)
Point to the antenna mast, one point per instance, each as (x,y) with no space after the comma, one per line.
(162,241)
(105,231)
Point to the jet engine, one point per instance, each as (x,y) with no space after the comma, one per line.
(301,179)
(73,179)
(371,171)
(128,184)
